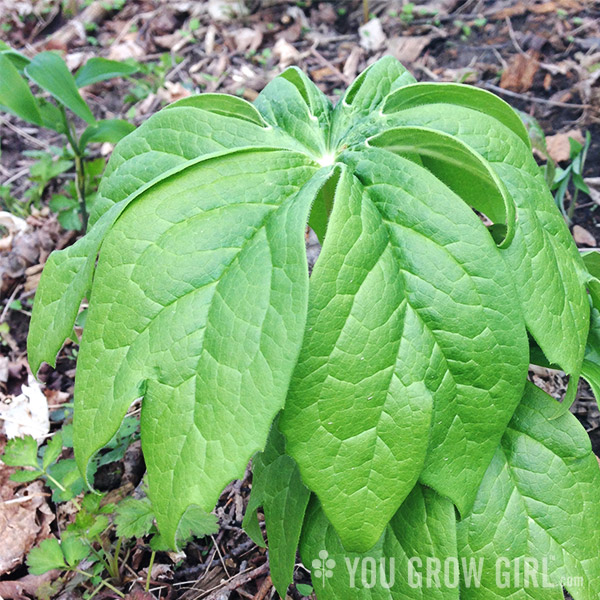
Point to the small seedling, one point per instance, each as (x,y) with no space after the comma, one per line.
(572,177)
(50,73)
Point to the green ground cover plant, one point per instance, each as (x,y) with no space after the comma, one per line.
(49,72)
(385,397)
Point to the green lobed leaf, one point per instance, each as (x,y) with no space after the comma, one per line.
(134,518)
(99,69)
(171,138)
(187,334)
(536,510)
(50,72)
(278,488)
(464,171)
(196,523)
(287,105)
(53,450)
(15,95)
(366,96)
(21,452)
(26,476)
(543,258)
(74,548)
(381,362)
(46,557)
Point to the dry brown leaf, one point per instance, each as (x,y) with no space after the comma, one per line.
(173,92)
(171,41)
(4,365)
(285,53)
(247,39)
(75,60)
(583,237)
(372,36)
(542,8)
(23,524)
(322,74)
(350,69)
(125,50)
(28,586)
(593,184)
(558,145)
(225,10)
(409,48)
(520,71)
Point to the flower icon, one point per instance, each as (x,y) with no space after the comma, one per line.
(323,566)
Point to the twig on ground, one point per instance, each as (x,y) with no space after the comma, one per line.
(329,64)
(10,301)
(513,37)
(528,98)
(264,589)
(16,176)
(237,582)
(24,134)
(75,28)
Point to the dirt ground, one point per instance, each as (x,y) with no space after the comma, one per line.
(541,57)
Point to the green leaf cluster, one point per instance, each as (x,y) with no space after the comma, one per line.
(50,73)
(398,369)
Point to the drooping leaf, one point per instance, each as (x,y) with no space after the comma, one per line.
(15,95)
(232,321)
(108,130)
(423,530)
(50,72)
(545,264)
(381,364)
(534,520)
(99,69)
(278,488)
(19,60)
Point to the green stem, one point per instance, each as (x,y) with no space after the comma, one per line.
(116,572)
(104,582)
(80,185)
(79,167)
(150,570)
(366,11)
(572,206)
(62,489)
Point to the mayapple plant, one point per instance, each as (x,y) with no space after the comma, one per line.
(385,397)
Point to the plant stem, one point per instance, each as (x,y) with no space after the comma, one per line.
(115,571)
(150,570)
(104,582)
(366,11)
(572,206)
(79,168)
(80,185)
(63,489)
